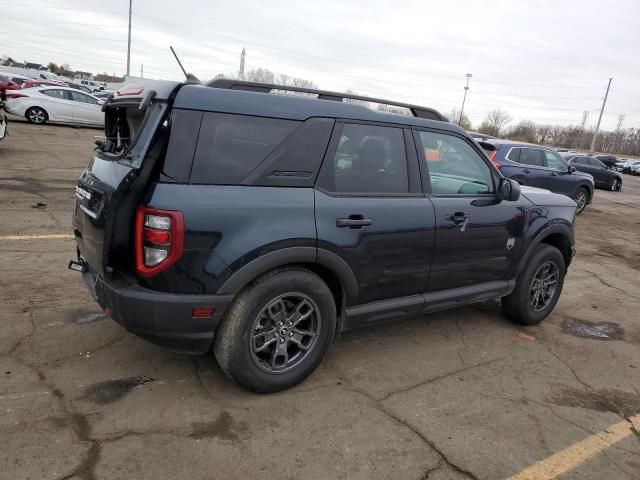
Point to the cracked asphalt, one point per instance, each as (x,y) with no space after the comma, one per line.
(462,394)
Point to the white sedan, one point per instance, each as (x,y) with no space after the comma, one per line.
(55,104)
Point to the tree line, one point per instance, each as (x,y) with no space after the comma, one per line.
(620,141)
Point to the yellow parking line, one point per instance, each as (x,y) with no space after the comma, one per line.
(35,237)
(578,453)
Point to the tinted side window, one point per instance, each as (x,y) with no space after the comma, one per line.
(596,163)
(580,160)
(368,159)
(231,146)
(185,125)
(55,93)
(514,155)
(454,166)
(531,156)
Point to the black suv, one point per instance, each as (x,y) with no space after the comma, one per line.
(261,224)
(540,167)
(603,176)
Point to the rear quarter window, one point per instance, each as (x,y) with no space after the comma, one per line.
(231,146)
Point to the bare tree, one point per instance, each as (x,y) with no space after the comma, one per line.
(261,75)
(524,131)
(494,122)
(454,117)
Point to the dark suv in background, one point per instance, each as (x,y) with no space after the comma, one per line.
(603,176)
(536,166)
(261,224)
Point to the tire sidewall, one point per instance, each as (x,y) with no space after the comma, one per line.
(46,116)
(240,363)
(543,253)
(582,189)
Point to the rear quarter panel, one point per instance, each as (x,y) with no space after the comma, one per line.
(226,227)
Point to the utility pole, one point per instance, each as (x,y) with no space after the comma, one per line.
(466,87)
(242,58)
(142,70)
(129,42)
(604,102)
(585,117)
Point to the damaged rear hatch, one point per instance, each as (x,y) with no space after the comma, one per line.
(111,187)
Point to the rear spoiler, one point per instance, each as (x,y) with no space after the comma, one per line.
(141,93)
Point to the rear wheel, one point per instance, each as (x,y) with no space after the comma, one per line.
(37,115)
(581,197)
(277,330)
(538,287)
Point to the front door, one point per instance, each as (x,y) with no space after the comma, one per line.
(86,108)
(371,211)
(478,236)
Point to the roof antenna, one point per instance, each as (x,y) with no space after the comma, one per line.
(191,78)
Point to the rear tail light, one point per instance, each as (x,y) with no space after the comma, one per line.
(159,240)
(492,157)
(15,95)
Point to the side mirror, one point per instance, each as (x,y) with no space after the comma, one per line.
(571,169)
(508,190)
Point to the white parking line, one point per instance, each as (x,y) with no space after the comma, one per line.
(36,237)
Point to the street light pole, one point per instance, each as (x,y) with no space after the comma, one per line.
(129,42)
(466,87)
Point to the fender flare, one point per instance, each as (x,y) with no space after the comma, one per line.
(561,228)
(292,255)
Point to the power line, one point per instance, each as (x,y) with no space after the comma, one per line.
(23,6)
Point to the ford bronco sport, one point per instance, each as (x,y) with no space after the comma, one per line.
(232,216)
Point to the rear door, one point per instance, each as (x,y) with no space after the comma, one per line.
(371,211)
(56,104)
(110,188)
(478,236)
(86,109)
(533,166)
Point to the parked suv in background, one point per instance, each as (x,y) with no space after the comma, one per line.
(540,167)
(603,176)
(262,224)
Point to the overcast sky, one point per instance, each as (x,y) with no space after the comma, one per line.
(547,61)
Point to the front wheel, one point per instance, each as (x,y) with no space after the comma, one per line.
(538,287)
(615,185)
(277,330)
(581,197)
(37,115)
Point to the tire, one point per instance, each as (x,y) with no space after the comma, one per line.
(253,322)
(517,306)
(615,185)
(582,203)
(37,115)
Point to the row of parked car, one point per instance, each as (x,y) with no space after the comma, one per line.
(15,81)
(570,173)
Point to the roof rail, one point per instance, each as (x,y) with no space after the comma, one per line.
(416,110)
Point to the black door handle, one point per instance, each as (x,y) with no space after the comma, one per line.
(354,221)
(526,170)
(460,219)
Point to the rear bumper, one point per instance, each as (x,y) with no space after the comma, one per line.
(162,318)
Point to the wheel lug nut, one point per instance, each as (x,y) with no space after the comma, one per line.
(280,324)
(282,340)
(291,334)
